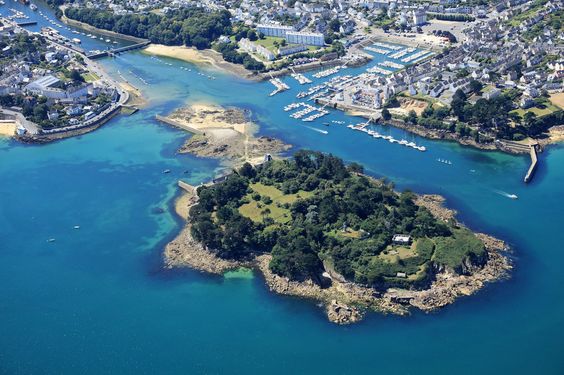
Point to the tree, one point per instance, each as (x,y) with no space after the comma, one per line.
(475,86)
(252,35)
(411,117)
(247,170)
(335,25)
(386,115)
(76,76)
(427,112)
(458,103)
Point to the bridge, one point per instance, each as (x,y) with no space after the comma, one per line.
(115,51)
(26,23)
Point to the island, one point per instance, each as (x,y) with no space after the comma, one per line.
(320,229)
(223,133)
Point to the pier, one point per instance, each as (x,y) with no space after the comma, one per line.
(177,124)
(534,163)
(521,148)
(115,51)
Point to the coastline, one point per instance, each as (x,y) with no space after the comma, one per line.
(346,302)
(223,133)
(200,57)
(87,27)
(7,128)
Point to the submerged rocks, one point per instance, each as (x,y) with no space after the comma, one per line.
(342,314)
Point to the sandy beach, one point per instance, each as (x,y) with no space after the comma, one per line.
(7,129)
(195,56)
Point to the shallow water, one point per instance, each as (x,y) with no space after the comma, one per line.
(98,301)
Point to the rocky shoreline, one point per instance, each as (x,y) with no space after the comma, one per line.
(346,302)
(225,133)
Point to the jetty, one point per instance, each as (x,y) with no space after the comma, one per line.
(534,163)
(522,148)
(115,51)
(178,124)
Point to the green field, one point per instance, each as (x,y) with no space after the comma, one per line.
(90,77)
(257,210)
(539,112)
(268,42)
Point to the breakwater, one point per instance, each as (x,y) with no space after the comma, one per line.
(178,124)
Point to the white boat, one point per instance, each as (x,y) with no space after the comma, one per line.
(33,7)
(512,196)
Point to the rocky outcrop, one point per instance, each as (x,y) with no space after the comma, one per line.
(184,251)
(342,314)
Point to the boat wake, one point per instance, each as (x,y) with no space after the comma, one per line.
(318,130)
(507,195)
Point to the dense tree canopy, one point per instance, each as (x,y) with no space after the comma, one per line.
(187,26)
(314,211)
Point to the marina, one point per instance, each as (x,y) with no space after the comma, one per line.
(280,86)
(377,50)
(387,46)
(377,69)
(364,128)
(391,64)
(302,80)
(328,72)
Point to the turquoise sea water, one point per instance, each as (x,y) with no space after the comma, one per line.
(98,301)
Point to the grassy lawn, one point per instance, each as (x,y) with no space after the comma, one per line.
(539,112)
(348,234)
(90,77)
(253,210)
(395,252)
(268,42)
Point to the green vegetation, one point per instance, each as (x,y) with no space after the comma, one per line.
(463,244)
(230,54)
(188,26)
(497,115)
(271,43)
(90,77)
(313,209)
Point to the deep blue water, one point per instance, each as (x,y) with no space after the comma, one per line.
(98,301)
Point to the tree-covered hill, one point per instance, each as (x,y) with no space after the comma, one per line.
(188,26)
(313,213)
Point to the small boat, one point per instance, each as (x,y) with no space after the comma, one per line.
(51,240)
(76,227)
(166,171)
(326,123)
(512,196)
(33,7)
